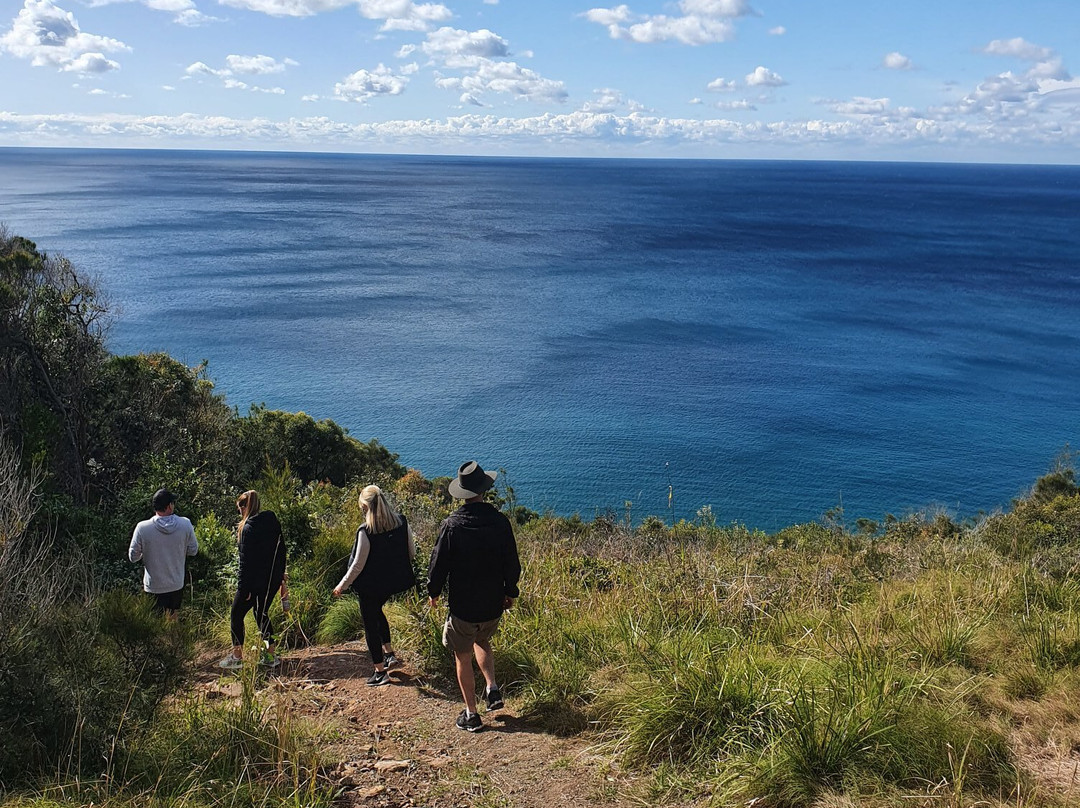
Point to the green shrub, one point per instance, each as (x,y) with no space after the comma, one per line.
(79,677)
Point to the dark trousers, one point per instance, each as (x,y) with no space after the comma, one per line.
(260,602)
(376,629)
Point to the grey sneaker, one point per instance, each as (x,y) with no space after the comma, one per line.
(470,723)
(231,663)
(391,661)
(268,660)
(378,679)
(494,699)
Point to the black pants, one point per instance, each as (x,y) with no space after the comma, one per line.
(260,602)
(376,629)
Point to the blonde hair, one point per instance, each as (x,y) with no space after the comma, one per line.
(248,502)
(380,517)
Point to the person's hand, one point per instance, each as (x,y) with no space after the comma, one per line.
(432,602)
(507,602)
(337,591)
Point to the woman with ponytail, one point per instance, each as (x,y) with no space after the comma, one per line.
(262,574)
(380,566)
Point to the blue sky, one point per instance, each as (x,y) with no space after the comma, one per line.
(954,81)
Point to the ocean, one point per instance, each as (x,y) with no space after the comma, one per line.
(769,339)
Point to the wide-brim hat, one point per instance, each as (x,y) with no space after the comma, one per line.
(472,481)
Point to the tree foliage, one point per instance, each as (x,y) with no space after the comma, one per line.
(51,346)
(314,450)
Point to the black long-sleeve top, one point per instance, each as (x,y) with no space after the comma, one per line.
(262,554)
(477,554)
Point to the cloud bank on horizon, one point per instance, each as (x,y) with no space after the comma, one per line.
(692,78)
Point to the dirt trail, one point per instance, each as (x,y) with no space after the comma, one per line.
(397,745)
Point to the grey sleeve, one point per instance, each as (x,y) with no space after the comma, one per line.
(363,547)
(135,549)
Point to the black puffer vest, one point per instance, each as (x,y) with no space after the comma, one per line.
(388,569)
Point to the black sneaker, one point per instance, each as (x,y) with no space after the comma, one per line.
(378,678)
(391,661)
(472,723)
(494,699)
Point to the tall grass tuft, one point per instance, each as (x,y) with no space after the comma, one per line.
(690,710)
(341,622)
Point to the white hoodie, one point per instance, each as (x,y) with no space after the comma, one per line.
(163,544)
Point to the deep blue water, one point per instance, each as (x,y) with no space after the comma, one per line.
(768,338)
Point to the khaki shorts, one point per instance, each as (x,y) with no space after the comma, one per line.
(459,635)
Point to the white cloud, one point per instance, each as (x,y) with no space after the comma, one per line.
(454,46)
(365,84)
(777,31)
(288,8)
(702,22)
(1007,96)
(604,100)
(236,84)
(896,61)
(740,105)
(608,100)
(695,101)
(397,15)
(49,36)
(203,69)
(863,134)
(608,16)
(259,65)
(860,105)
(184,10)
(488,75)
(480,57)
(720,85)
(1018,48)
(763,77)
(244,65)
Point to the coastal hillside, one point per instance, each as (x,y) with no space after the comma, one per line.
(912,660)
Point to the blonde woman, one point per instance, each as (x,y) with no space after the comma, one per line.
(262,574)
(380,566)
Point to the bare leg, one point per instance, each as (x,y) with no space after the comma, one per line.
(486,660)
(466,679)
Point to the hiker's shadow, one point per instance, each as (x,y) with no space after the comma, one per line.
(501,722)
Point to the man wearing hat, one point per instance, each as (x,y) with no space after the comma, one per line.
(163,544)
(477,554)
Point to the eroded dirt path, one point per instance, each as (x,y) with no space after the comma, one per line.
(397,746)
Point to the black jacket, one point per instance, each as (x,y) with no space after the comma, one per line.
(262,554)
(476,552)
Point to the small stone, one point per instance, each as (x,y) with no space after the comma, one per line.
(384,766)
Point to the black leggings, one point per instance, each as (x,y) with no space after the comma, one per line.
(260,601)
(376,629)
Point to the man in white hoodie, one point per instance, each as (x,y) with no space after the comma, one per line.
(163,544)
